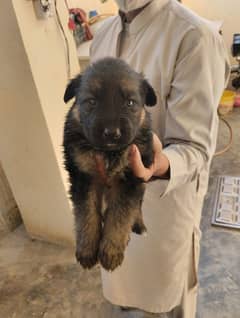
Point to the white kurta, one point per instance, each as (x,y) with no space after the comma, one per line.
(184,58)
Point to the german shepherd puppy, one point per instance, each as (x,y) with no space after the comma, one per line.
(107,117)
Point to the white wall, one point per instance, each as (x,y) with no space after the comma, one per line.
(9,214)
(107,7)
(228,11)
(33,78)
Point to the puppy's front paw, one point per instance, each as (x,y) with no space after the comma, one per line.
(87,257)
(110,255)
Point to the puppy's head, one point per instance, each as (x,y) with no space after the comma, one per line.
(110,97)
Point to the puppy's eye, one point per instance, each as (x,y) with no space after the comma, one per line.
(131,102)
(92,101)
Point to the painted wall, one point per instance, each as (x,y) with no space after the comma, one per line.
(32,81)
(9,214)
(227,11)
(107,7)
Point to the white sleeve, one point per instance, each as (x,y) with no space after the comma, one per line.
(200,76)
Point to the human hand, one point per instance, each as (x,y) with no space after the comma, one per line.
(160,164)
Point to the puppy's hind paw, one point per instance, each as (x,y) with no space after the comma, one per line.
(110,256)
(139,228)
(87,260)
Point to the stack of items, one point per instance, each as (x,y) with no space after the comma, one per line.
(227,203)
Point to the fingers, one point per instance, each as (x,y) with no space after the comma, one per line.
(136,160)
(157,145)
(137,165)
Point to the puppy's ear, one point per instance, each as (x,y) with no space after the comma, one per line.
(71,89)
(150,96)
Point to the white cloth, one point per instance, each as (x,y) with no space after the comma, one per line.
(184,58)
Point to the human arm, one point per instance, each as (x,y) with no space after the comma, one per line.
(197,84)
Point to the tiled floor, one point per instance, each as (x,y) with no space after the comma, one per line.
(42,280)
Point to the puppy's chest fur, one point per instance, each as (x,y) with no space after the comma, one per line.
(106,170)
(100,165)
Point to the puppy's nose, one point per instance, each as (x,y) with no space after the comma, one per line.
(112,133)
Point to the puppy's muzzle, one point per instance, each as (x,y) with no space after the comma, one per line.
(111,134)
(111,137)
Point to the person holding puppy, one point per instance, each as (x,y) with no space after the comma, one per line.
(183,57)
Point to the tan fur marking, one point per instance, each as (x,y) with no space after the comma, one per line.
(143,115)
(95,84)
(128,84)
(76,113)
(85,161)
(104,204)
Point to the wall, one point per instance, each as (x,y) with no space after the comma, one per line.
(32,81)
(107,7)
(45,49)
(228,11)
(9,214)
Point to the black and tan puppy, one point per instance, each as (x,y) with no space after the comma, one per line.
(108,115)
